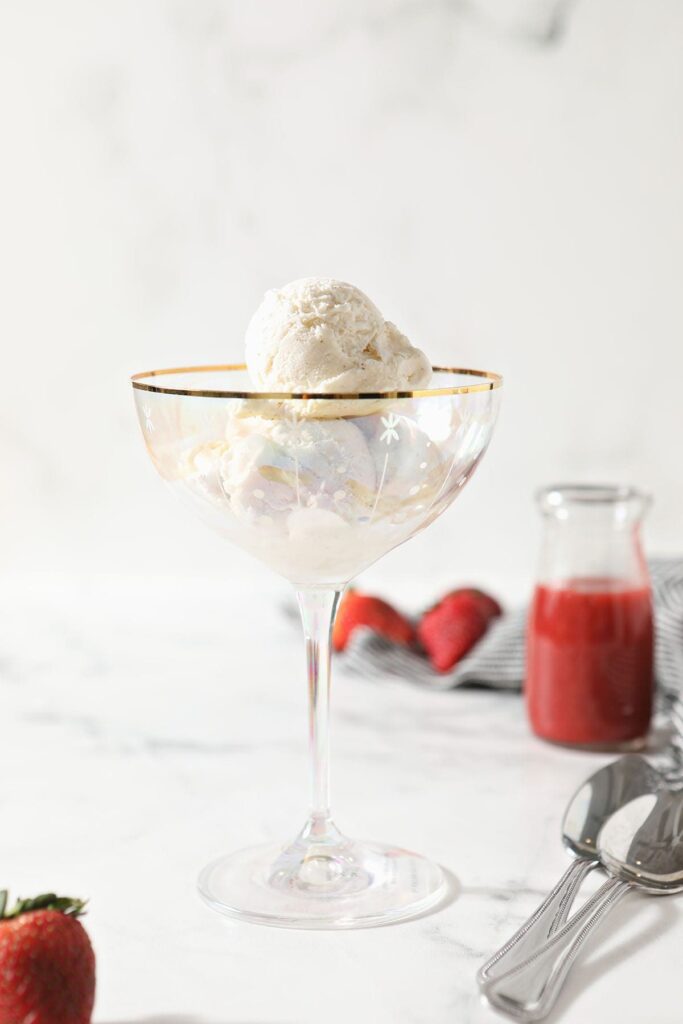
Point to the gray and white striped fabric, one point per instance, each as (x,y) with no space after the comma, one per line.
(498,660)
(667,586)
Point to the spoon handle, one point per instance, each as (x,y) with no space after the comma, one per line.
(528,991)
(544,922)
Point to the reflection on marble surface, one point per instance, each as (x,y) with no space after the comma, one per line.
(147,726)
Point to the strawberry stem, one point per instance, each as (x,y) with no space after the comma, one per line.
(48,901)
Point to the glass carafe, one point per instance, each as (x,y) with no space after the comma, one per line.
(589,678)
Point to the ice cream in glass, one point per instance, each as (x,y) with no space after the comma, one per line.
(335,443)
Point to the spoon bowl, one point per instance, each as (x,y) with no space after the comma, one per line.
(609,789)
(600,796)
(640,847)
(642,843)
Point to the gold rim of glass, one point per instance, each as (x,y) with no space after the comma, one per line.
(489,382)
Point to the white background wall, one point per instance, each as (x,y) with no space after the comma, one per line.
(503,178)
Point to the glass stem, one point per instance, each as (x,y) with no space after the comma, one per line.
(318,607)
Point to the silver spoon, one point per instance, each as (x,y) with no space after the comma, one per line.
(641,846)
(599,797)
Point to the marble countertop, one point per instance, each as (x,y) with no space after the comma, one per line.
(147,727)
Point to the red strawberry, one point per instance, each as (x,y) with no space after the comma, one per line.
(450,629)
(47,964)
(358,610)
(488,605)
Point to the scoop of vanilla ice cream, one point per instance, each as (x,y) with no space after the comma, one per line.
(316,499)
(318,334)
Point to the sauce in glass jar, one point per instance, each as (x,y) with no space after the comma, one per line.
(589,679)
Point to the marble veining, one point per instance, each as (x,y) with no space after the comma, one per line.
(190,739)
(504,177)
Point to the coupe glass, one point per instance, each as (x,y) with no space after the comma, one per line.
(318,487)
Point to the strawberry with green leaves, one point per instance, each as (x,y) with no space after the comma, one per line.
(47,964)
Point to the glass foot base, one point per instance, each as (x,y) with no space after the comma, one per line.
(332,882)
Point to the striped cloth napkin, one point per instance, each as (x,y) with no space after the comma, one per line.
(498,660)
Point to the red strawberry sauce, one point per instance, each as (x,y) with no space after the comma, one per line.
(589,662)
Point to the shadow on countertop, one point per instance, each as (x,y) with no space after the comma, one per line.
(453,889)
(658,917)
